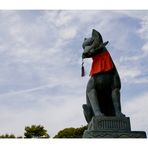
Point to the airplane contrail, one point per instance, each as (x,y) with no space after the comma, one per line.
(26,90)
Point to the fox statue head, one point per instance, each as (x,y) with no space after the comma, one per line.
(93,45)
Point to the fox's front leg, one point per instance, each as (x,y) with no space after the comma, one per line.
(93,99)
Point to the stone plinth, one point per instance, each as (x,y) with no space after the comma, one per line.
(111,127)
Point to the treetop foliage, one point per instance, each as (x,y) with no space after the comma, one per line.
(71,132)
(36,131)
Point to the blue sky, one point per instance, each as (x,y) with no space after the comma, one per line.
(40,61)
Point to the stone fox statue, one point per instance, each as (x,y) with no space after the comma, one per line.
(103,88)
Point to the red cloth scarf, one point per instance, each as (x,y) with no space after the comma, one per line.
(101,63)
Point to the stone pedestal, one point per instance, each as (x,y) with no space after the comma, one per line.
(111,127)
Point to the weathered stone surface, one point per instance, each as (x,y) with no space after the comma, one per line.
(111,127)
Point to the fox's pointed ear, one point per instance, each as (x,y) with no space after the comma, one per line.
(95,33)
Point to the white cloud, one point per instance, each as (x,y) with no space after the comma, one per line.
(144,24)
(58,18)
(145,48)
(136,108)
(132,58)
(129,73)
(68,33)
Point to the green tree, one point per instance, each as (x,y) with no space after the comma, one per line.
(7,136)
(35,131)
(71,132)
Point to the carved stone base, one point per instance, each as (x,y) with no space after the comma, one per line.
(104,134)
(109,124)
(111,127)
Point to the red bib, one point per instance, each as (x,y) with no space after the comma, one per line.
(101,63)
